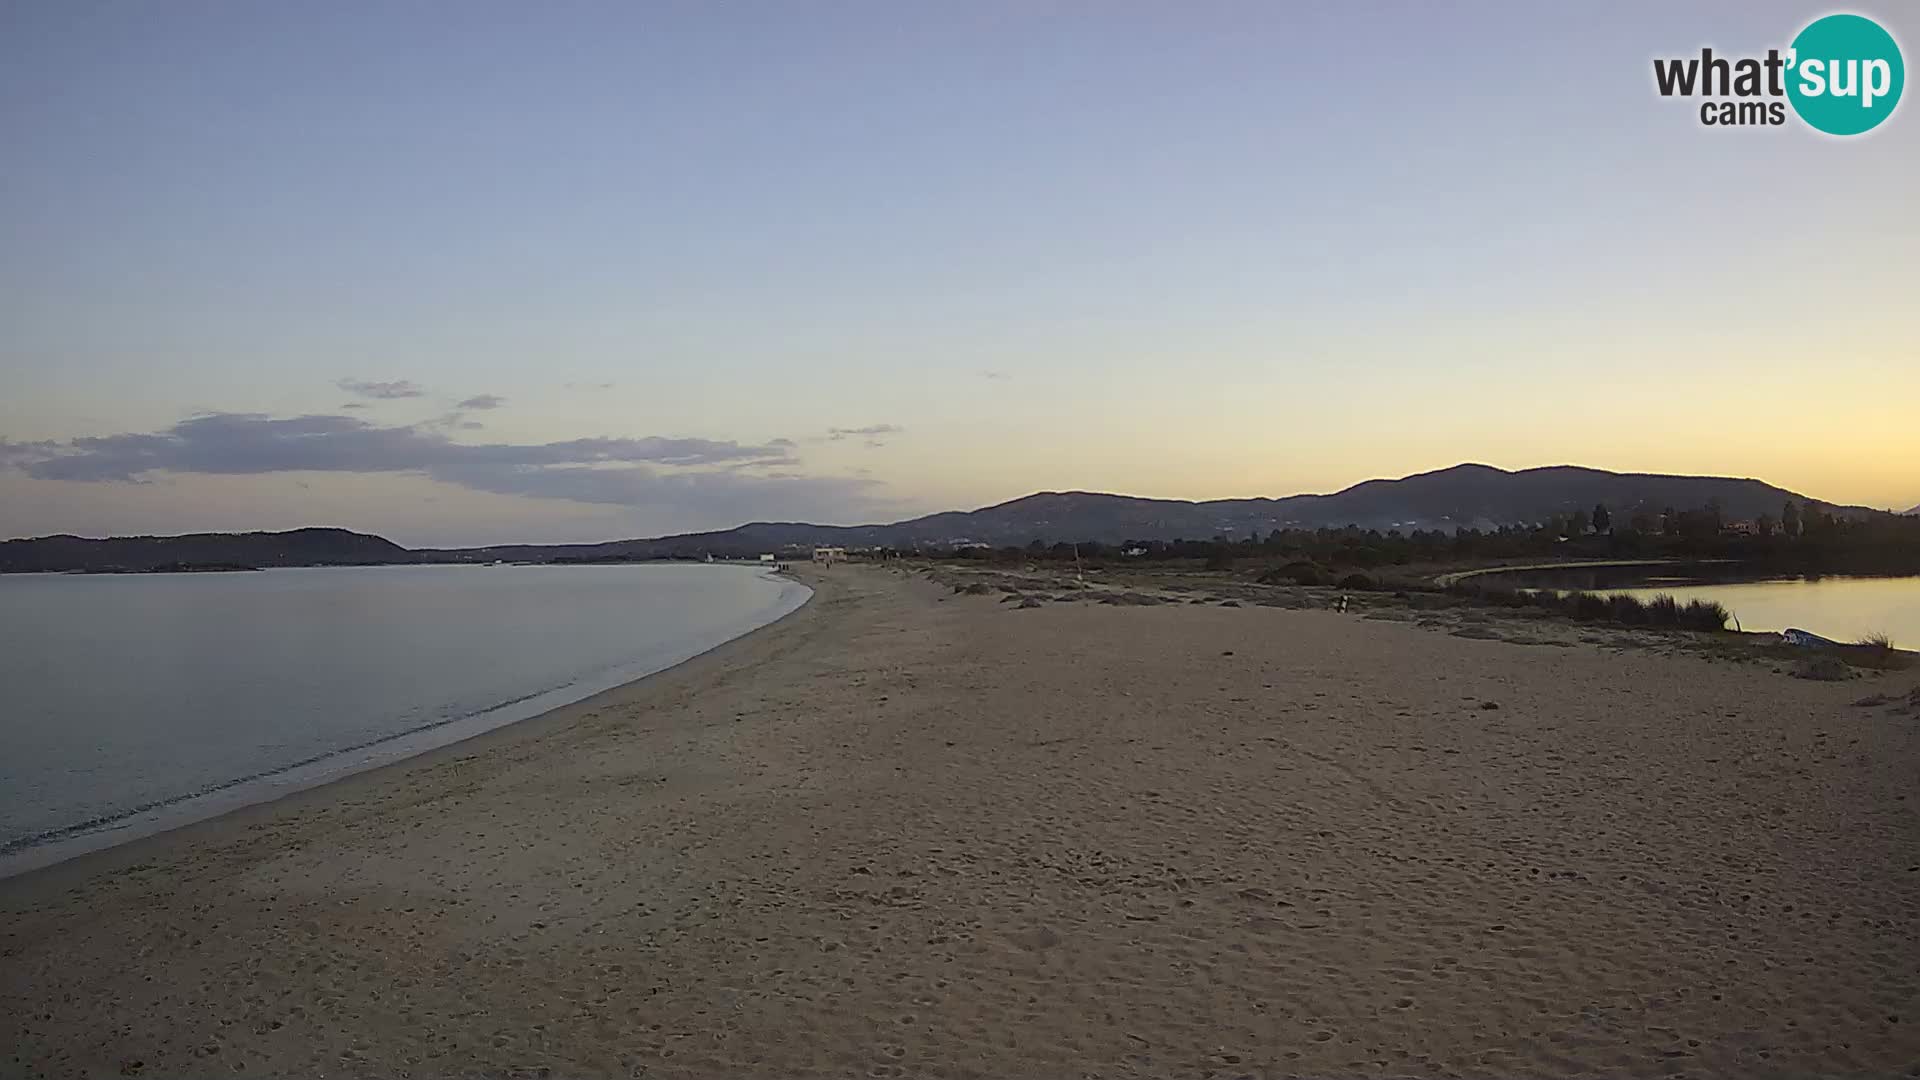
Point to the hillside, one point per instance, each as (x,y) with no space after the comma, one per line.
(1474,496)
(299,547)
(1462,496)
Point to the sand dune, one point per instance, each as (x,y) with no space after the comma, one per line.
(908,833)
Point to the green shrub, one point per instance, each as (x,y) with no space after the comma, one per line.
(1296,573)
(1704,615)
(1356,582)
(1663,610)
(1625,609)
(1500,595)
(1588,606)
(1877,651)
(1824,669)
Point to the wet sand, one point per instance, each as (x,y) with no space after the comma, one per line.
(910,833)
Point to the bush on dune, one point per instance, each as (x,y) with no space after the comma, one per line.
(1543,598)
(1626,609)
(1704,615)
(1296,573)
(1824,669)
(1591,607)
(1663,610)
(1500,596)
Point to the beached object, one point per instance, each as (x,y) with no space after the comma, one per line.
(1805,640)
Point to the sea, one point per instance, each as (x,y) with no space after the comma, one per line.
(134,703)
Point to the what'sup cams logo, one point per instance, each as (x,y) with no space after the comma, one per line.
(1842,75)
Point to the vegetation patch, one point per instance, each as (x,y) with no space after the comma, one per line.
(1296,573)
(1662,611)
(1824,669)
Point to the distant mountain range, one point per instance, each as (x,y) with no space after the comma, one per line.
(1474,496)
(1465,495)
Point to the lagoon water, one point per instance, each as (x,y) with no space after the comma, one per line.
(1842,608)
(1838,607)
(132,703)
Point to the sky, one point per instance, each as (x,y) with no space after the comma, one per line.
(475,272)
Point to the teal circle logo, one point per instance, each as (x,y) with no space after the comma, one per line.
(1845,74)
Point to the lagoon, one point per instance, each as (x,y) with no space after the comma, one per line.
(1845,609)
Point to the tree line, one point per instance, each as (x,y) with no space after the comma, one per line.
(1806,538)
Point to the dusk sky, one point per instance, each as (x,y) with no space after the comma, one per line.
(482,272)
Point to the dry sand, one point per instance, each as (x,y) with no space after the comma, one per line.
(905,833)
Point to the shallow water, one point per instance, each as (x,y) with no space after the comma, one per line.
(132,703)
(1842,608)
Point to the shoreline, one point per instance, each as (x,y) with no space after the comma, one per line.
(91,859)
(912,831)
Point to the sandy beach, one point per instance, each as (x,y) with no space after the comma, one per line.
(905,832)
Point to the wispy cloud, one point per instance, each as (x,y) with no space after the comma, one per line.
(21,455)
(450,421)
(726,494)
(874,434)
(256,443)
(383,391)
(713,477)
(482,402)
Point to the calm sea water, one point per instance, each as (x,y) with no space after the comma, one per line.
(129,704)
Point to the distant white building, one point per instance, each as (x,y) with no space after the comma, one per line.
(827,556)
(767,558)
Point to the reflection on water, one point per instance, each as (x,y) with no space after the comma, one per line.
(1842,608)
